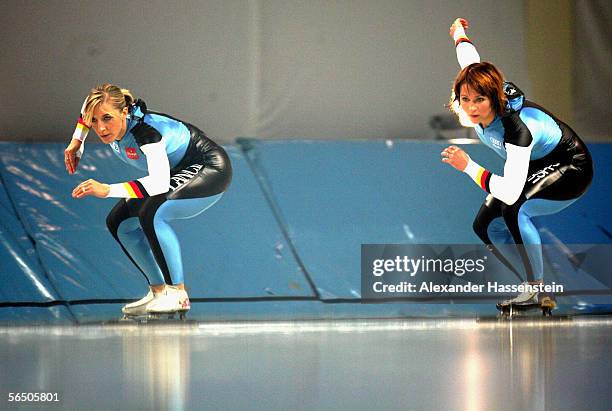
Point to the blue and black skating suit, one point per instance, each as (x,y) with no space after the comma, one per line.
(188,173)
(547,168)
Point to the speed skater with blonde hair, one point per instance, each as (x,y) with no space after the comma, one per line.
(187,174)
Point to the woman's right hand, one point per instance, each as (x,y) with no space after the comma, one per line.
(71,160)
(459,22)
(456,157)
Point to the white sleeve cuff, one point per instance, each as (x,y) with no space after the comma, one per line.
(472,169)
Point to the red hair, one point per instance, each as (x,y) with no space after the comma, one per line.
(486,80)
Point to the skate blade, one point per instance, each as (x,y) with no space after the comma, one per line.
(153,317)
(527,311)
(157,317)
(131,318)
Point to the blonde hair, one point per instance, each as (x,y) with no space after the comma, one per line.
(118,97)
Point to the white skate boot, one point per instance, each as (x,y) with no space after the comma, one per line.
(170,301)
(523,298)
(528,300)
(137,307)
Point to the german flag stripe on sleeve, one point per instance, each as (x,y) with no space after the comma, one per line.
(482,179)
(81,130)
(135,189)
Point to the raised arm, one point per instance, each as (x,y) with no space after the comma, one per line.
(466,52)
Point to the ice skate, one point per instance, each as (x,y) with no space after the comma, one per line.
(137,307)
(169,302)
(527,301)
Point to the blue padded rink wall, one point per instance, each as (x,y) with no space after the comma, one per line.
(273,272)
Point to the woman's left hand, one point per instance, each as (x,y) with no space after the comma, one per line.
(456,157)
(91,188)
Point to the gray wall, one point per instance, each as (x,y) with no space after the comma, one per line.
(593,69)
(264,68)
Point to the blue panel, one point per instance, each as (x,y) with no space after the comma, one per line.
(95,313)
(21,275)
(55,315)
(235,249)
(336,195)
(9,221)
(5,202)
